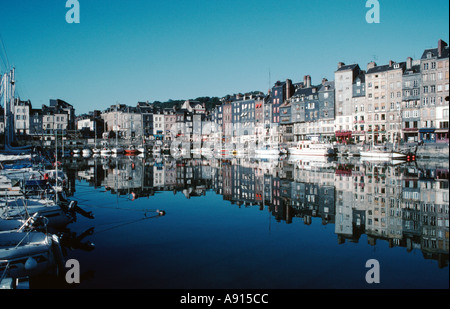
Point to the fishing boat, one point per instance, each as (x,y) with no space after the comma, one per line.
(310,148)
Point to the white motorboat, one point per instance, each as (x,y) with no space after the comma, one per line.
(310,148)
(381,153)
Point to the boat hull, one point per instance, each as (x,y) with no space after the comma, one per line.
(16,250)
(382,155)
(318,153)
(306,148)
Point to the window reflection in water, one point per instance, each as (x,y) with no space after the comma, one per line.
(405,205)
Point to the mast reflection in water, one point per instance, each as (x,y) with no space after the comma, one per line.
(247,223)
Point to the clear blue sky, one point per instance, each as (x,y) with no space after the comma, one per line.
(139,50)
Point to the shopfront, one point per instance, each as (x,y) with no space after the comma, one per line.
(427,135)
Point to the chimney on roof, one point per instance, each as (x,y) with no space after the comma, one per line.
(441,46)
(305,78)
(288,89)
(408,63)
(371,65)
(324,80)
(391,63)
(340,65)
(308,81)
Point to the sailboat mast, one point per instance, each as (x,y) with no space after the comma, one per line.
(56,164)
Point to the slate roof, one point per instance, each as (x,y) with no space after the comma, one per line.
(385,68)
(434,51)
(347,67)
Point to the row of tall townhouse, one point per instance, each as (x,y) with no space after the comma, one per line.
(146,121)
(434,65)
(399,101)
(58,116)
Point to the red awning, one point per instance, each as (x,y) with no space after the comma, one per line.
(344,134)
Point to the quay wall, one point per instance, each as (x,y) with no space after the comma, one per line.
(425,151)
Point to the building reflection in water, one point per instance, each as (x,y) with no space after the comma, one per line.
(406,205)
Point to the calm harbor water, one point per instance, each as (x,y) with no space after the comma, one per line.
(257,224)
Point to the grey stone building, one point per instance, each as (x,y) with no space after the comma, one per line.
(358,103)
(435,89)
(412,78)
(344,79)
